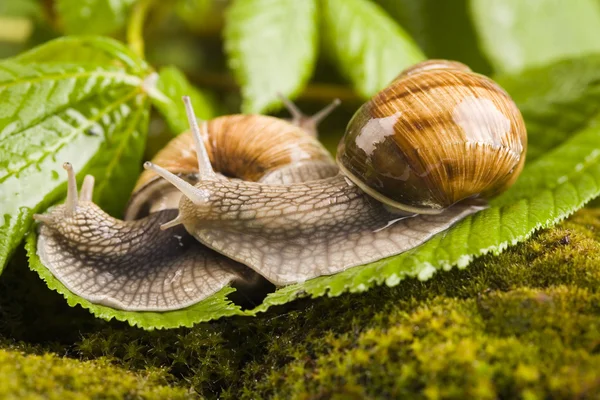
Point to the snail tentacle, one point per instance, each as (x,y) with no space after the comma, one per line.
(71,203)
(205,169)
(308,122)
(87,189)
(195,195)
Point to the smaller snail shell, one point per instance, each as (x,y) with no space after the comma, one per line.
(431,65)
(436,135)
(248,147)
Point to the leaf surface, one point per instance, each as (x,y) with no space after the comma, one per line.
(94,50)
(442,29)
(517,34)
(173,84)
(93,116)
(271,47)
(555,100)
(538,200)
(93,17)
(367,45)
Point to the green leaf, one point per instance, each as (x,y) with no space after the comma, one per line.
(366,44)
(23,8)
(517,34)
(93,116)
(95,17)
(173,84)
(271,48)
(442,29)
(94,50)
(203,17)
(556,100)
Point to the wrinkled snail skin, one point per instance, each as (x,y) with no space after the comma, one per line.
(418,157)
(292,233)
(130,265)
(135,266)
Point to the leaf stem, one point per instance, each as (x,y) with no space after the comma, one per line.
(135,28)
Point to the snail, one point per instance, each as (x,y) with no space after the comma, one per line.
(419,156)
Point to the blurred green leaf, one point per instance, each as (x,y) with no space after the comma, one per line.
(442,29)
(17,23)
(555,100)
(203,17)
(518,34)
(98,17)
(271,47)
(21,8)
(367,45)
(93,116)
(173,84)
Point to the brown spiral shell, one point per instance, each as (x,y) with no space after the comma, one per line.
(248,147)
(436,135)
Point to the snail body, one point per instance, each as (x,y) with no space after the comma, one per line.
(254,218)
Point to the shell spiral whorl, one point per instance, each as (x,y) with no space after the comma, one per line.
(436,135)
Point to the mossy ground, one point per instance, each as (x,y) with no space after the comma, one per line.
(524,324)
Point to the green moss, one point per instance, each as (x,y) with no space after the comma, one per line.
(523,324)
(509,345)
(48,376)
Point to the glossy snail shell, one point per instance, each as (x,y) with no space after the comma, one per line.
(438,134)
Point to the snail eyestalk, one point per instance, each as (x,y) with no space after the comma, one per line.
(71,203)
(308,123)
(325,111)
(195,195)
(205,169)
(87,188)
(292,108)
